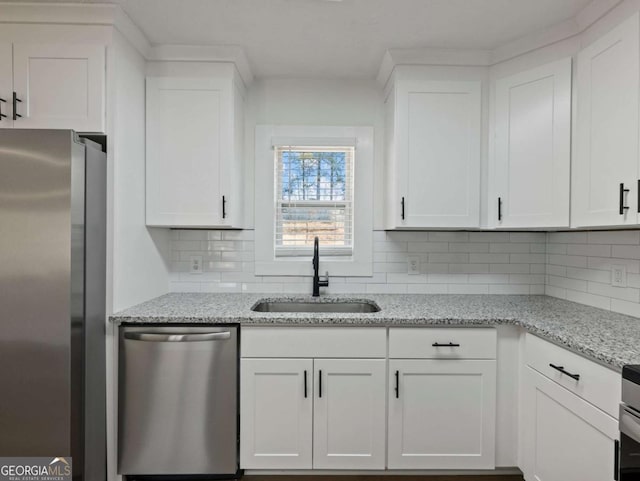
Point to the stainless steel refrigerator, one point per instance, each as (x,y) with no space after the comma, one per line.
(52,298)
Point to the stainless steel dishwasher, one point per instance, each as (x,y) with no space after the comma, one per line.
(178,400)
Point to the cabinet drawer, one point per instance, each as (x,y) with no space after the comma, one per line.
(316,342)
(597,384)
(442,343)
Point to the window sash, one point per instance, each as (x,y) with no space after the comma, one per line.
(341,216)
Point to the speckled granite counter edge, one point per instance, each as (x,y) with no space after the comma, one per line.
(601,356)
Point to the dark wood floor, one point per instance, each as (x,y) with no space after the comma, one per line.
(383,478)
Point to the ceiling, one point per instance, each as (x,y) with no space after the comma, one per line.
(340,38)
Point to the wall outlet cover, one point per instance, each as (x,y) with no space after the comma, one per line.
(413,265)
(619,276)
(195,264)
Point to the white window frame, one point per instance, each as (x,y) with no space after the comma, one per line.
(360,263)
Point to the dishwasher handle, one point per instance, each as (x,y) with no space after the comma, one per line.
(156,337)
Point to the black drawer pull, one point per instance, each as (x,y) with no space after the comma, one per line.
(623,208)
(16,115)
(305,383)
(320,383)
(397,384)
(499,209)
(450,344)
(402,204)
(2,116)
(566,373)
(224,207)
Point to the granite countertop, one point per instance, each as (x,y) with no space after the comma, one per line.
(604,336)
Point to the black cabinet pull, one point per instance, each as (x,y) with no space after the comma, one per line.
(397,384)
(305,383)
(623,208)
(616,460)
(2,101)
(320,383)
(499,209)
(16,115)
(638,195)
(566,373)
(402,204)
(450,344)
(224,207)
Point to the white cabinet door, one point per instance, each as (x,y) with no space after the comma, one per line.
(438,134)
(60,86)
(6,85)
(188,135)
(276,413)
(606,146)
(531,167)
(349,414)
(442,414)
(565,437)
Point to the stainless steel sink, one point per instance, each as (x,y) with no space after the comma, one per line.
(309,306)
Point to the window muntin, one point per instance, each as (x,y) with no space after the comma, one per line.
(314,197)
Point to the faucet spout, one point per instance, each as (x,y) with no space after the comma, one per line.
(317,282)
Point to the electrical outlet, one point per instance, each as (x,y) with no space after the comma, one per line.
(195,264)
(619,276)
(413,265)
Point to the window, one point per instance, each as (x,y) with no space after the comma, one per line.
(313,180)
(314,197)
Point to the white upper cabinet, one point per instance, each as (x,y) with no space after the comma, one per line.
(605,159)
(530,169)
(194,163)
(60,86)
(56,86)
(434,154)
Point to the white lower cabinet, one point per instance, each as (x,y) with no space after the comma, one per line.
(276,412)
(304,413)
(442,414)
(349,414)
(565,437)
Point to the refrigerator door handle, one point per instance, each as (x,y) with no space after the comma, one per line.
(154,337)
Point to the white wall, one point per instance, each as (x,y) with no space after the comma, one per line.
(314,102)
(139,255)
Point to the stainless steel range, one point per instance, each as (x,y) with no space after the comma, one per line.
(629,455)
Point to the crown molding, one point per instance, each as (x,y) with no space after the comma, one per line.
(430,56)
(102,14)
(593,12)
(202,53)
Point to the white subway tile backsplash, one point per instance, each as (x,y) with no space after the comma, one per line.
(427,289)
(593,250)
(567,237)
(588,299)
(489,258)
(448,236)
(614,237)
(626,251)
(509,289)
(489,236)
(449,258)
(468,289)
(577,258)
(428,247)
(509,248)
(570,265)
(469,247)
